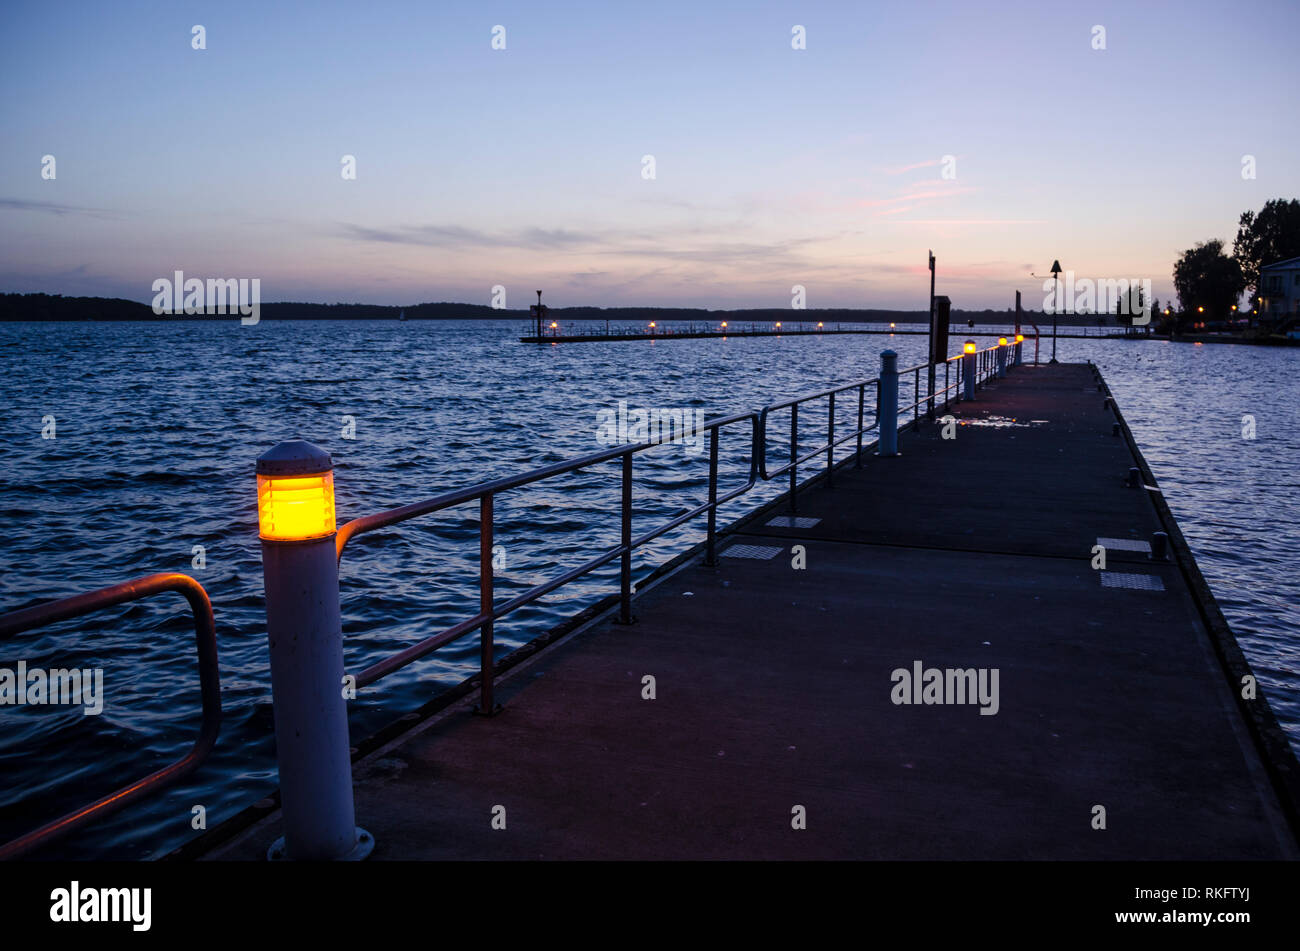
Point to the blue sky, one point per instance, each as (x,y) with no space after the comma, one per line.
(522,167)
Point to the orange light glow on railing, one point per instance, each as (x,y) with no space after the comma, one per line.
(295,507)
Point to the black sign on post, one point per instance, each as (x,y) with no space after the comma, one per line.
(939,330)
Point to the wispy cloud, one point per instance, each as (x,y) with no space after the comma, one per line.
(55,208)
(902,169)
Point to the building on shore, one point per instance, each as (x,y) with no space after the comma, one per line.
(1279,292)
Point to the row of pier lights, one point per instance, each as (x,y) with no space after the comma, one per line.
(297,525)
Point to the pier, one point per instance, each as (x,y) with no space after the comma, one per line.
(775,730)
(615,336)
(977,635)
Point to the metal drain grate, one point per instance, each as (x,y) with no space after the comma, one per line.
(761,552)
(792,521)
(1120,579)
(1125,544)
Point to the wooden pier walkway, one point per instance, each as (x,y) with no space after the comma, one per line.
(775,686)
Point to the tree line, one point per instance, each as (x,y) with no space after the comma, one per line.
(1210,282)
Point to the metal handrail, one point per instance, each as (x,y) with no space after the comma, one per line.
(209,682)
(486,492)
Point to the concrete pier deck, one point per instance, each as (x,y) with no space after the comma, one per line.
(773,684)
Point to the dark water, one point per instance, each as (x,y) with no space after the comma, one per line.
(158,427)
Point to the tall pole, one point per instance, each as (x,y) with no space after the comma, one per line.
(1056,306)
(1056,309)
(933,355)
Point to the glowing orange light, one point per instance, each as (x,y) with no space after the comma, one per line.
(819,325)
(1002,341)
(1200,310)
(778,325)
(554,325)
(1019,337)
(891,326)
(724,325)
(295,507)
(968,346)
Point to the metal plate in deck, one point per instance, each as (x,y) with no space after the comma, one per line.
(792,521)
(761,552)
(1135,582)
(1125,544)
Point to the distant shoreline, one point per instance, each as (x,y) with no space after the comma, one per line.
(57,308)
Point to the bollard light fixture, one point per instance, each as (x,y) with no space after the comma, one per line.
(300,575)
(1020,338)
(968,347)
(295,492)
(1002,341)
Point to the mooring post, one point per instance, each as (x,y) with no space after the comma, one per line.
(969,356)
(888,408)
(1020,339)
(295,511)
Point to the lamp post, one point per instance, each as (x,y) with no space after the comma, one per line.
(295,515)
(1056,306)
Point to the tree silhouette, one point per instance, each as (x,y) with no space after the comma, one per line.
(1206,277)
(1272,235)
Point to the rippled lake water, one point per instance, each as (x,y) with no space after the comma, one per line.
(159,424)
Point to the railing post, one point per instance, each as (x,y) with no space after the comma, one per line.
(862,397)
(295,506)
(1002,358)
(968,370)
(794,454)
(1020,339)
(888,406)
(830,442)
(710,556)
(625,569)
(916,400)
(486,664)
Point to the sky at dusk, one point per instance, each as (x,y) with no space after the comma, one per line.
(523,167)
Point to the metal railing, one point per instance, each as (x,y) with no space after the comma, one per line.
(486,492)
(792,467)
(209,682)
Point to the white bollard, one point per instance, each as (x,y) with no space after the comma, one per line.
(295,508)
(888,408)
